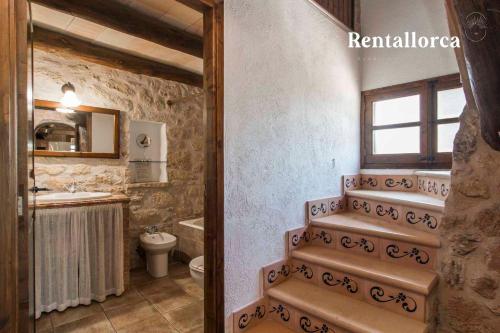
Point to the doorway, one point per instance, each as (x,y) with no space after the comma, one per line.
(16,162)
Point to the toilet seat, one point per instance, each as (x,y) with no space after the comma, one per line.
(198,264)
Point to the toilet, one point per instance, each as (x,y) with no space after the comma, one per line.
(197,268)
(157,246)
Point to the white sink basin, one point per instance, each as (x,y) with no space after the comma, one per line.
(67,196)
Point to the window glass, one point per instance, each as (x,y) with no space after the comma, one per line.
(404,140)
(446,135)
(397,110)
(450,103)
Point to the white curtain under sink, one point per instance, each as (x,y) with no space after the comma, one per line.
(78,256)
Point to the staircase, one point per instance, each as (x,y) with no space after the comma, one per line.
(364,263)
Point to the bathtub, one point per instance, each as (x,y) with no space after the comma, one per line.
(190,237)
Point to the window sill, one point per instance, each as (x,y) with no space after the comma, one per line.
(443,174)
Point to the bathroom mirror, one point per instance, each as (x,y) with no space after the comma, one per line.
(83,131)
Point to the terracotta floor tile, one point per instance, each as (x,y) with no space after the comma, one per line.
(166,302)
(140,276)
(197,330)
(129,297)
(178,270)
(177,297)
(97,323)
(74,314)
(158,286)
(190,286)
(130,314)
(186,318)
(44,324)
(154,324)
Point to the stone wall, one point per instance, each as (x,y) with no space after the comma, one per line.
(470,255)
(138,97)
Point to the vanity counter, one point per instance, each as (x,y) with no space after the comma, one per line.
(115,198)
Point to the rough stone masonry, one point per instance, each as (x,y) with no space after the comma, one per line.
(138,97)
(469,298)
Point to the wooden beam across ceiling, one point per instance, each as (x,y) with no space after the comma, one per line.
(194,4)
(120,17)
(52,41)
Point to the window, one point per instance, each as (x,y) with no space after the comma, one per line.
(411,125)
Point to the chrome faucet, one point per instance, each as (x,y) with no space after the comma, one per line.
(152,229)
(72,187)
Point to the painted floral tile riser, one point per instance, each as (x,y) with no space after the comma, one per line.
(435,187)
(405,183)
(411,217)
(432,186)
(325,207)
(292,318)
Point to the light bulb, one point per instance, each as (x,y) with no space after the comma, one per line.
(69,100)
(65,110)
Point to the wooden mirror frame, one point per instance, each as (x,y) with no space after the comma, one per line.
(49,105)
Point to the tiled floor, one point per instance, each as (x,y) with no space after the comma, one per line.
(171,305)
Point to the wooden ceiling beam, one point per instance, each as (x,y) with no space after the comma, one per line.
(120,17)
(51,41)
(194,4)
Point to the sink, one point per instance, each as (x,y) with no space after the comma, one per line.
(67,196)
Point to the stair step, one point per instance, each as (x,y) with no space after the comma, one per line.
(415,280)
(269,326)
(413,199)
(345,312)
(434,174)
(360,224)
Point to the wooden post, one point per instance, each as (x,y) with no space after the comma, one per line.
(214,166)
(477,24)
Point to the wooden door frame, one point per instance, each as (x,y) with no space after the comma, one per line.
(14,314)
(13,88)
(213,56)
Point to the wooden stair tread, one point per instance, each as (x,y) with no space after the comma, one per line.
(444,174)
(348,313)
(413,199)
(361,224)
(269,326)
(416,280)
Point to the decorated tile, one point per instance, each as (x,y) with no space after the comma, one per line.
(413,255)
(322,237)
(317,208)
(282,313)
(352,182)
(250,315)
(276,273)
(396,300)
(360,206)
(360,244)
(342,283)
(388,212)
(308,323)
(336,205)
(435,187)
(298,238)
(304,271)
(422,219)
(370,182)
(405,183)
